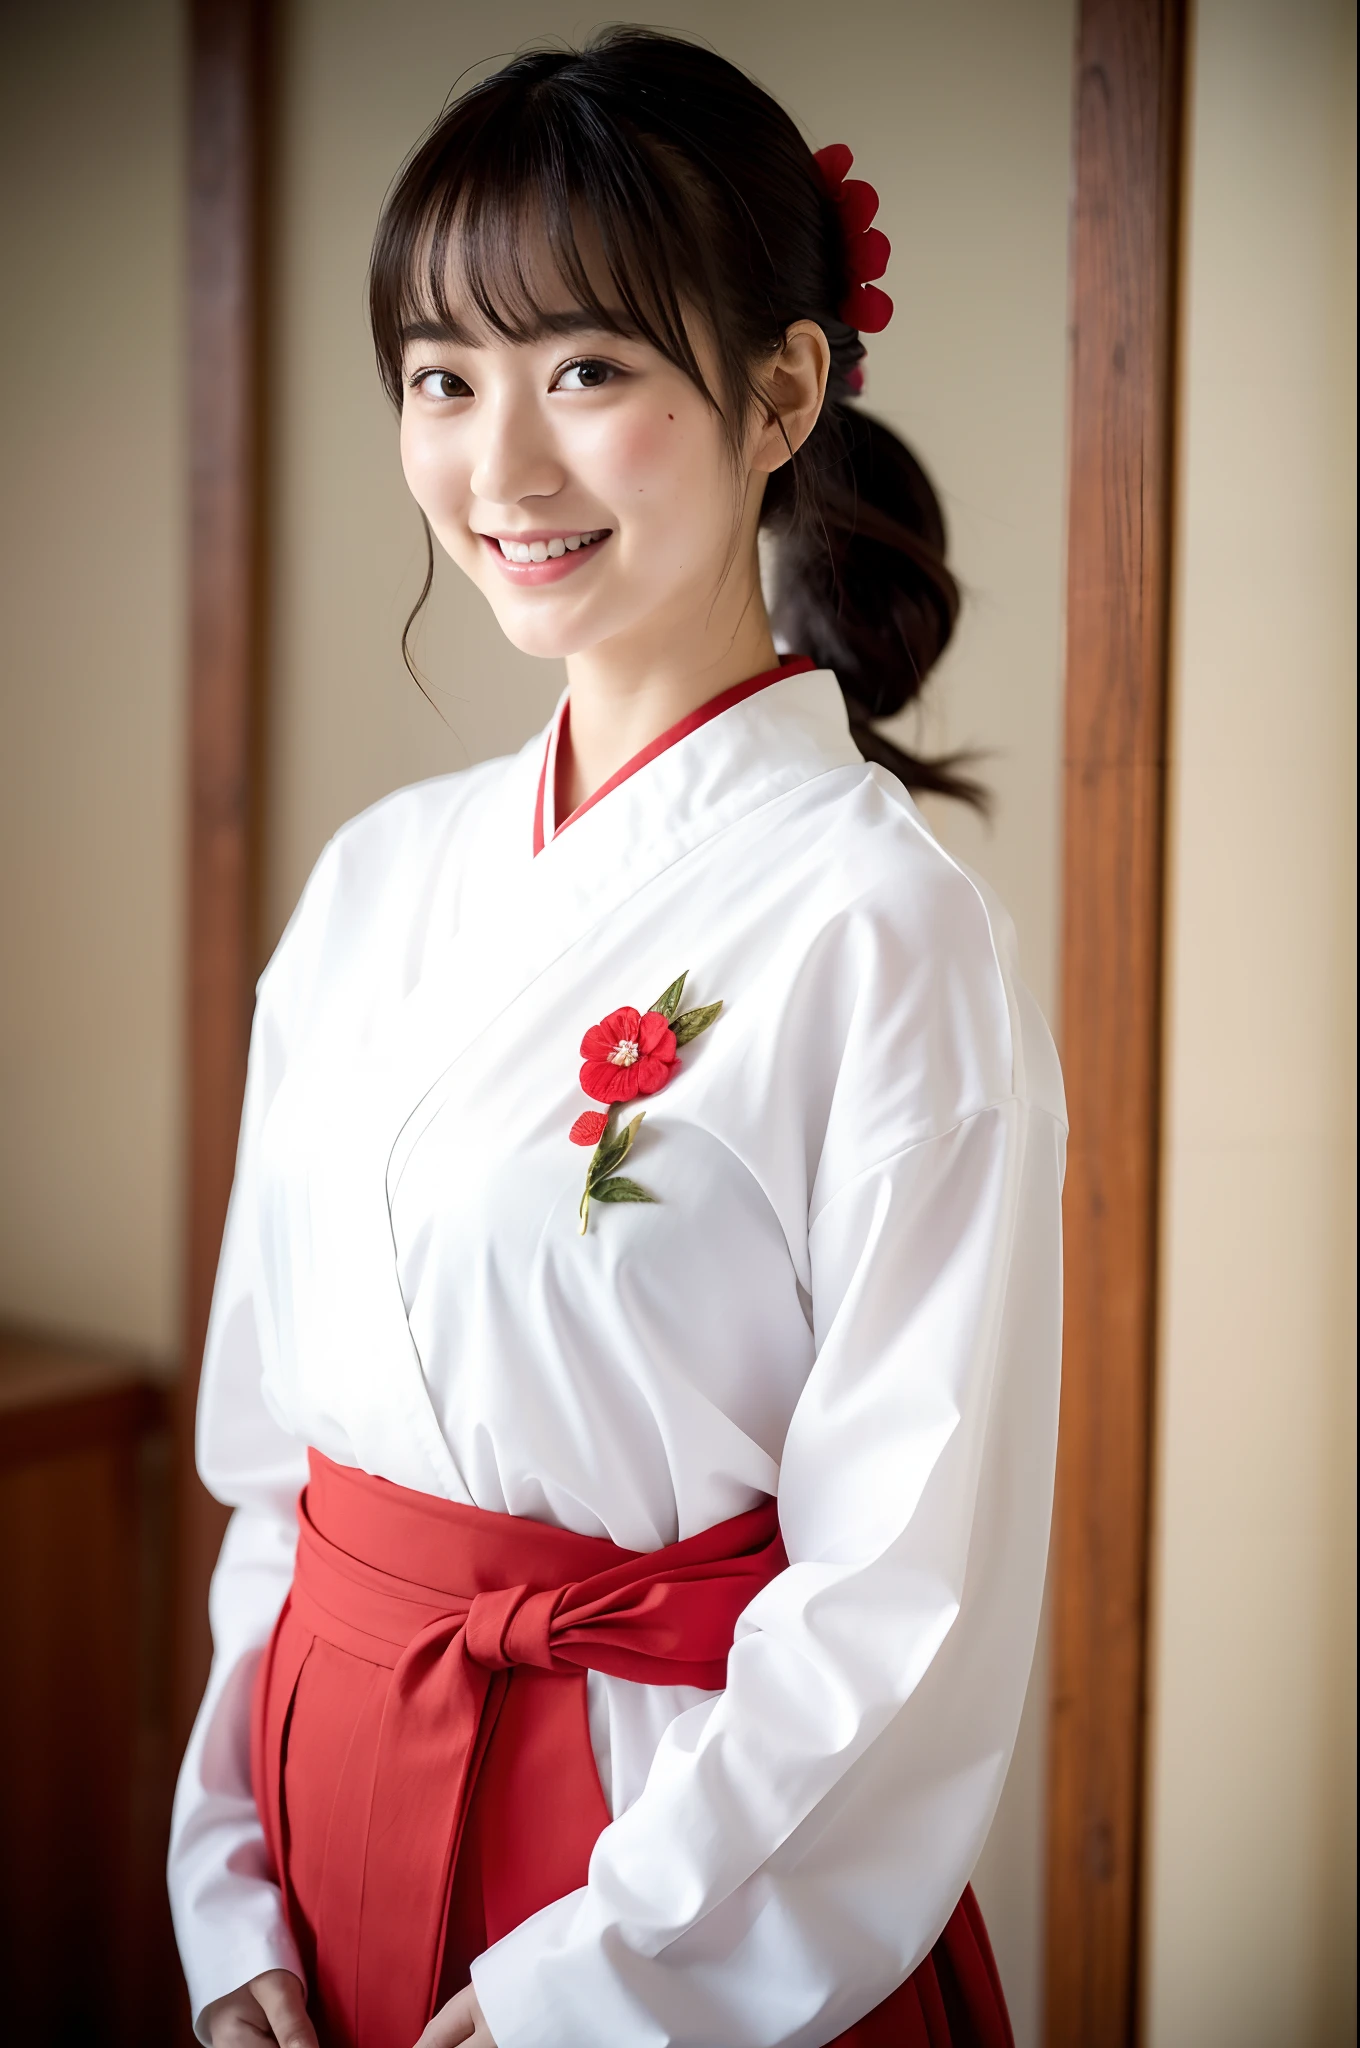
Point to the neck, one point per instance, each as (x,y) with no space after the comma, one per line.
(626,693)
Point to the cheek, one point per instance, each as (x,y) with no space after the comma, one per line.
(429,464)
(657,457)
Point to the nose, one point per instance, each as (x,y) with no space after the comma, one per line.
(515,458)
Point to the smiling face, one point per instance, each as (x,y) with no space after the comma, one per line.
(600,297)
(578,477)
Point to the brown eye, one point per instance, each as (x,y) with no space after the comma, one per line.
(442,384)
(586,375)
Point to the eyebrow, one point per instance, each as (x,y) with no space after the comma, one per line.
(452,333)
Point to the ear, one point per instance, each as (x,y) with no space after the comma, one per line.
(794,381)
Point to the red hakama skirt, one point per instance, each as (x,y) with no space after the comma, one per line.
(421,1752)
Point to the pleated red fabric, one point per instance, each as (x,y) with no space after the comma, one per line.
(421,1750)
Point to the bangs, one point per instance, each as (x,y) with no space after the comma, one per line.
(534,213)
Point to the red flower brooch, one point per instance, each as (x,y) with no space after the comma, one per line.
(867,248)
(629,1053)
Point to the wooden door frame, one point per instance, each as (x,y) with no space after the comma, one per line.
(228,63)
(1124,273)
(1129,91)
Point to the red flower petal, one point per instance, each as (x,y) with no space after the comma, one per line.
(655,1036)
(867,256)
(588,1128)
(870,309)
(833,162)
(604,1082)
(857,202)
(653,1073)
(601,1038)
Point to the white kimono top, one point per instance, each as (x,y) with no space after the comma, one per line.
(845,1294)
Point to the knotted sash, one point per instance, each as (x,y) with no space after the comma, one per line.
(487,1625)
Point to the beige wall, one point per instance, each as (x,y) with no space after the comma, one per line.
(960,115)
(90,768)
(1252,1843)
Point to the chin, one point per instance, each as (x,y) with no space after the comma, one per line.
(547,639)
(543,646)
(543,643)
(549,631)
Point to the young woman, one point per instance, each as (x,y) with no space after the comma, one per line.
(634,1356)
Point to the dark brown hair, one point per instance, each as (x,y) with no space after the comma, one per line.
(699,193)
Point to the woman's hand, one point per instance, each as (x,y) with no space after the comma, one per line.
(459,2024)
(271,2008)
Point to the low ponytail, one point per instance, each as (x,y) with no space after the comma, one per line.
(861,582)
(698,192)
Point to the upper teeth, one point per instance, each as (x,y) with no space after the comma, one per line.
(549,550)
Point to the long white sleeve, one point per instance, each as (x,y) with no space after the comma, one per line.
(228,1913)
(801,1840)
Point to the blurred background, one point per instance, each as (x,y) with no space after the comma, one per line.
(961,115)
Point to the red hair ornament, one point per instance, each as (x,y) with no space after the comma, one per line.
(867,248)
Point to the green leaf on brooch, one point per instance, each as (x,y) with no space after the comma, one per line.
(669,1003)
(612,1150)
(694,1021)
(620,1190)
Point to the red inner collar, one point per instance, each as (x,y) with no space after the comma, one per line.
(683,727)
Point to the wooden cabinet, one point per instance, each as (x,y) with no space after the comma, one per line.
(84,1471)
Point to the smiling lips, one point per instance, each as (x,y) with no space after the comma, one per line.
(549,549)
(543,557)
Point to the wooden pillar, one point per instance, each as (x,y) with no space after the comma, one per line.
(1124,263)
(226,634)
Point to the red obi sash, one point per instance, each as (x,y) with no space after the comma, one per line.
(420,1721)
